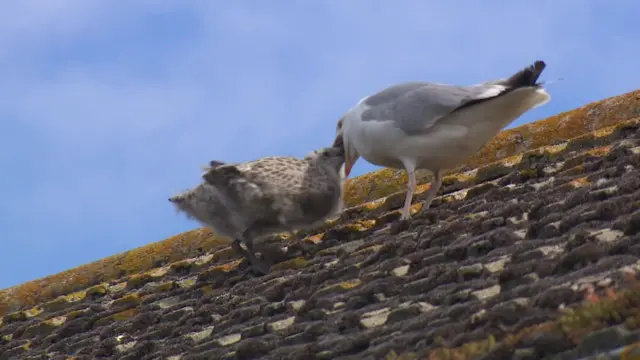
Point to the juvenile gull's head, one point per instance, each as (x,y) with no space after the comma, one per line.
(330,156)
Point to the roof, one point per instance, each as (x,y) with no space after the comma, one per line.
(531,249)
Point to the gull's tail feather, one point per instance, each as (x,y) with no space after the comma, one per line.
(527,76)
(176,199)
(212,165)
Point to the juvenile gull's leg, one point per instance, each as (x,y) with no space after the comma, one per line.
(436,182)
(261,266)
(235,245)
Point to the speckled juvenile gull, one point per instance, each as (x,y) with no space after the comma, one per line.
(274,194)
(421,125)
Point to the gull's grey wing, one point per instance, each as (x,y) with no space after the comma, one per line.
(416,108)
(393,92)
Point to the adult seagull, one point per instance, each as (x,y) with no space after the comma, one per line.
(421,125)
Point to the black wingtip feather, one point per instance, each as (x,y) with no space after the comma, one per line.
(527,76)
(215,163)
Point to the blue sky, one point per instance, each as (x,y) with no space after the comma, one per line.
(108,107)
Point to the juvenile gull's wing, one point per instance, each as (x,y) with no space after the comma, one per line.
(259,179)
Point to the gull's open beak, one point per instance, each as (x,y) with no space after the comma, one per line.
(349,160)
(348,164)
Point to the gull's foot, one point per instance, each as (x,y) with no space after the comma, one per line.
(235,245)
(399,226)
(427,204)
(405,216)
(260,266)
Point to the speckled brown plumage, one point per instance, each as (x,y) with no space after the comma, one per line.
(273,194)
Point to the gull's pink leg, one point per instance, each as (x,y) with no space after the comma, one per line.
(411,188)
(436,182)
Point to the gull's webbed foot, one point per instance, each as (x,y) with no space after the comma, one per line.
(260,266)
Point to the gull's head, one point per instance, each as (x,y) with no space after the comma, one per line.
(350,153)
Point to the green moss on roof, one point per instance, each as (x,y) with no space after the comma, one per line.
(179,247)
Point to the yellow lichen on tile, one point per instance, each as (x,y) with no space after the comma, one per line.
(206,289)
(76,313)
(56,321)
(511,160)
(422,188)
(580,182)
(187,283)
(179,247)
(63,301)
(115,288)
(332,222)
(576,170)
(476,215)
(124,315)
(361,225)
(315,239)
(100,289)
(34,311)
(223,254)
(604,131)
(372,248)
(373,186)
(295,263)
(165,286)
(453,178)
(555,149)
(415,208)
(203,260)
(372,205)
(599,151)
(181,265)
(127,300)
(224,268)
(76,296)
(350,284)
(631,352)
(15,316)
